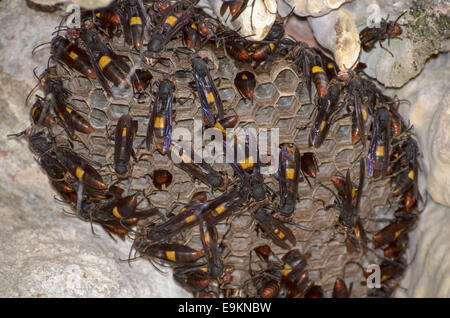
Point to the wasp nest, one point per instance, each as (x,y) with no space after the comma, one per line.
(258,249)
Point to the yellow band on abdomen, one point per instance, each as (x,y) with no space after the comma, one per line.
(220,127)
(248,162)
(220,208)
(171,256)
(160,122)
(79,173)
(135,20)
(290,173)
(116,213)
(104,60)
(210,98)
(73,55)
(171,20)
(190,219)
(380,151)
(317,69)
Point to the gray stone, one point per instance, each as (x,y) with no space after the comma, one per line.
(424,29)
(425,33)
(428,275)
(337,32)
(46,253)
(429,112)
(253,23)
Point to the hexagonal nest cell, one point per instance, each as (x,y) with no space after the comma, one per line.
(281,101)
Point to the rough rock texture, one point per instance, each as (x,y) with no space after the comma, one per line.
(254,22)
(424,33)
(300,30)
(305,8)
(429,113)
(92,4)
(429,273)
(337,32)
(46,253)
(88,4)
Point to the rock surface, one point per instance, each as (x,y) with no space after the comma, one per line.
(300,30)
(306,8)
(254,22)
(337,32)
(88,4)
(44,252)
(429,273)
(429,113)
(424,32)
